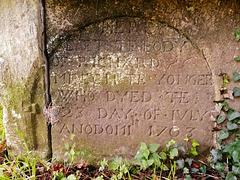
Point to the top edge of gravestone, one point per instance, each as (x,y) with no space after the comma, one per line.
(197,19)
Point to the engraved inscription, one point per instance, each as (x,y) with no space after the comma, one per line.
(96,129)
(130,80)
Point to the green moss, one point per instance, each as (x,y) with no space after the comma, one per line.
(18,97)
(18,108)
(1,112)
(2,131)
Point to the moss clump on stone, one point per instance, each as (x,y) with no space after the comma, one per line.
(2,131)
(1,112)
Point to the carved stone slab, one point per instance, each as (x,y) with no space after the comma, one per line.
(123,81)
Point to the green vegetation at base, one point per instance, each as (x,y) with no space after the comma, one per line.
(21,166)
(172,157)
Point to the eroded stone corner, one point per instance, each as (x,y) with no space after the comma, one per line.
(21,76)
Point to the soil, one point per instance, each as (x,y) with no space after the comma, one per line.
(89,172)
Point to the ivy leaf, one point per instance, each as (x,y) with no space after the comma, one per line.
(118,160)
(233,115)
(218,140)
(187,177)
(145,153)
(142,152)
(195,143)
(236,170)
(193,151)
(216,155)
(181,148)
(203,169)
(223,134)
(220,106)
(219,167)
(138,156)
(150,162)
(173,153)
(237,59)
(221,119)
(180,163)
(194,170)
(189,161)
(236,156)
(171,142)
(236,92)
(114,165)
(185,170)
(231,126)
(153,147)
(236,76)
(163,155)
(143,146)
(156,159)
(231,147)
(144,164)
(231,176)
(225,80)
(237,33)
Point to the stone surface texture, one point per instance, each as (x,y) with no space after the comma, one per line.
(121,72)
(125,72)
(21,75)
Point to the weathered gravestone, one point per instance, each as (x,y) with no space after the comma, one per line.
(124,81)
(121,72)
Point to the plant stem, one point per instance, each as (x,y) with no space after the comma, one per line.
(169,175)
(129,176)
(161,169)
(174,169)
(105,175)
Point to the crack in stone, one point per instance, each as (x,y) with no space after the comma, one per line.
(46,73)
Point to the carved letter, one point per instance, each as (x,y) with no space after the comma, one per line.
(146,97)
(79,112)
(126,113)
(88,129)
(177,115)
(167,45)
(110,96)
(109,129)
(115,113)
(189,130)
(98,129)
(160,130)
(102,113)
(78,129)
(174,131)
(65,127)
